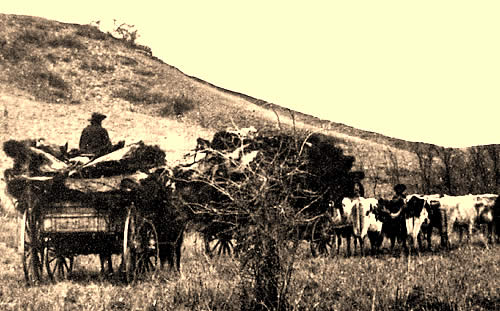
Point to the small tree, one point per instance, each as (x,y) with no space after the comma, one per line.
(275,198)
(480,167)
(393,168)
(447,156)
(494,153)
(425,154)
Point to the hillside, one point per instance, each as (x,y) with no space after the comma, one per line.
(56,74)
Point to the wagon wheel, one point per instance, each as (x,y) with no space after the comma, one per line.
(31,248)
(321,242)
(59,267)
(220,244)
(140,246)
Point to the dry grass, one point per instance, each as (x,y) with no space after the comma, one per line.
(79,64)
(465,278)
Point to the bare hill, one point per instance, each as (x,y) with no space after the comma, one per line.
(54,75)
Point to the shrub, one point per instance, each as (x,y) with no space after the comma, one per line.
(274,199)
(32,36)
(14,52)
(125,60)
(177,106)
(44,85)
(67,41)
(52,58)
(126,32)
(52,80)
(95,66)
(91,32)
(139,95)
(146,73)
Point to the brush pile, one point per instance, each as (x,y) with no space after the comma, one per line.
(54,175)
(238,170)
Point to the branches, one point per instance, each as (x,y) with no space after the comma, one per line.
(283,189)
(425,154)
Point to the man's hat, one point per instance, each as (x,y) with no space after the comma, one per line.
(399,188)
(96,116)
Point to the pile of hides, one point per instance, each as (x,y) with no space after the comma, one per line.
(54,177)
(126,160)
(29,159)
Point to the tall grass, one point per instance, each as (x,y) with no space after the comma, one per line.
(465,278)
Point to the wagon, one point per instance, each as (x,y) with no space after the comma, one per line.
(59,224)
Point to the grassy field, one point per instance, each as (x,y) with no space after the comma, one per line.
(464,278)
(55,75)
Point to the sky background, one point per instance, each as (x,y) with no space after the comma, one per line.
(417,70)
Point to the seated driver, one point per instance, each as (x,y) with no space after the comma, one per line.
(95,139)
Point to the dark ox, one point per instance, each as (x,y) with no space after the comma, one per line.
(170,221)
(403,221)
(496,219)
(154,191)
(393,224)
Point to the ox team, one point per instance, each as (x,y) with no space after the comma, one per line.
(413,218)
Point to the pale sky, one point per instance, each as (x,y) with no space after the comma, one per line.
(417,70)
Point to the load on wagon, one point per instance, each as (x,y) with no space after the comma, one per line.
(78,206)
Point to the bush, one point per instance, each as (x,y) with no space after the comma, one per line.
(127,61)
(126,32)
(177,106)
(139,95)
(271,202)
(146,73)
(68,41)
(45,85)
(31,36)
(52,80)
(95,66)
(91,32)
(14,52)
(52,58)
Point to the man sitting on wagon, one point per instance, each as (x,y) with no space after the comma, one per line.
(95,138)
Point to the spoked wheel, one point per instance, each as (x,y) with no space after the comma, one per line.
(140,246)
(221,245)
(59,267)
(321,242)
(31,248)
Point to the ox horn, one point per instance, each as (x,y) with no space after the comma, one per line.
(395,215)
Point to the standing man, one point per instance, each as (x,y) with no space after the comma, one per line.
(400,195)
(95,139)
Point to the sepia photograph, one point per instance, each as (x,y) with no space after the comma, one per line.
(258,155)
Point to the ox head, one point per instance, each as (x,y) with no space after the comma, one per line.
(383,210)
(414,206)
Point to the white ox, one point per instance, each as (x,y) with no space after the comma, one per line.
(341,222)
(484,204)
(460,212)
(358,213)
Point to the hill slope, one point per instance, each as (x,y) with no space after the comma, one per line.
(56,74)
